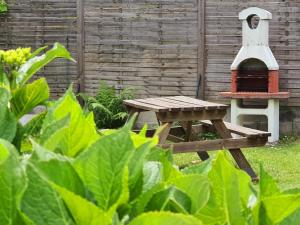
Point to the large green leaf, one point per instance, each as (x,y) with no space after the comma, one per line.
(230,192)
(8,122)
(170,199)
(3,7)
(165,218)
(33,127)
(278,208)
(12,183)
(25,98)
(41,203)
(103,166)
(267,185)
(202,168)
(153,182)
(56,169)
(274,206)
(4,82)
(135,167)
(293,218)
(83,211)
(196,186)
(51,136)
(77,135)
(33,65)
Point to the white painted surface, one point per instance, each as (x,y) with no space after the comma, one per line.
(271,112)
(256,40)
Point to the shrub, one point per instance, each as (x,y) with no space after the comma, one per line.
(17,95)
(78,176)
(3,7)
(107,106)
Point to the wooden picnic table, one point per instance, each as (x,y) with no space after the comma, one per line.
(185,111)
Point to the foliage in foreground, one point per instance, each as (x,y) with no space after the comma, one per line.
(18,96)
(107,106)
(75,175)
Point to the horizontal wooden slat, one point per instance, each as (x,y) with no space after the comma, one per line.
(243,131)
(219,144)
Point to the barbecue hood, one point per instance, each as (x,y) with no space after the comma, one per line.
(255,38)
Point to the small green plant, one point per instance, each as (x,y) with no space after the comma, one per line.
(3,7)
(287,140)
(107,106)
(18,96)
(208,136)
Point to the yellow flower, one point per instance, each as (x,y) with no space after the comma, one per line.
(16,57)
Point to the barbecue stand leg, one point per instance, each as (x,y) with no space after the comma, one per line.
(237,154)
(191,136)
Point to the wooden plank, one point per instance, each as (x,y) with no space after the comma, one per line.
(184,106)
(207,105)
(192,135)
(243,131)
(159,103)
(144,106)
(175,131)
(212,145)
(174,139)
(182,116)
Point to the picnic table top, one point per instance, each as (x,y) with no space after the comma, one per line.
(174,103)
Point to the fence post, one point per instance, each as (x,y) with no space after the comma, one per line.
(80,45)
(202,56)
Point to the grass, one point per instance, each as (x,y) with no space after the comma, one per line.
(281,161)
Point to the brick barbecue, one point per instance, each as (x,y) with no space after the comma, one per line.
(255,72)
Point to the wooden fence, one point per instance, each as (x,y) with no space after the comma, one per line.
(36,23)
(160,47)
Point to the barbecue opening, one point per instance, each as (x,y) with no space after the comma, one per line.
(252,76)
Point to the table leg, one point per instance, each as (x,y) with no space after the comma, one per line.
(190,135)
(237,154)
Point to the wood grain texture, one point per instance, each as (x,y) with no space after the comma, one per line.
(32,23)
(148,44)
(160,48)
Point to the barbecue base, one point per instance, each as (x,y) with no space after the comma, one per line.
(271,112)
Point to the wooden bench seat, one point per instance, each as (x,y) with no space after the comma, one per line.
(242,131)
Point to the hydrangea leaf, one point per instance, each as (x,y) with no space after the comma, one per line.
(103,166)
(12,183)
(165,218)
(33,65)
(83,211)
(77,134)
(41,203)
(25,98)
(8,122)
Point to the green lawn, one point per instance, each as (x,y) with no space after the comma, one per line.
(281,161)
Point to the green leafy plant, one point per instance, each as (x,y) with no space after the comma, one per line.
(208,136)
(18,96)
(75,175)
(3,7)
(107,106)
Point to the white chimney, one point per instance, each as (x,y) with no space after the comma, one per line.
(255,38)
